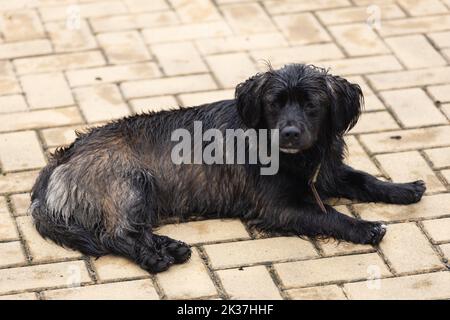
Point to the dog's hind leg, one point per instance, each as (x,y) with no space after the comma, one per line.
(178,250)
(142,248)
(359,185)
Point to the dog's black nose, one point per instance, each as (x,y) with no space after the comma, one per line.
(290,134)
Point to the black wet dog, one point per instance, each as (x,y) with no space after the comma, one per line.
(106,191)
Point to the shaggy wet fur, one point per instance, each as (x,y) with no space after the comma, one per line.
(108,190)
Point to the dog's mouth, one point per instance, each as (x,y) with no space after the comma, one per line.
(290,150)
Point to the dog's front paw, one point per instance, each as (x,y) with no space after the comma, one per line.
(411,192)
(370,233)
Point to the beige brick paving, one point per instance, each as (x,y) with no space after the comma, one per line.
(58,75)
(258,251)
(423,286)
(249,283)
(20,151)
(410,105)
(407,249)
(130,290)
(330,292)
(410,166)
(188,280)
(335,269)
(438,229)
(39,94)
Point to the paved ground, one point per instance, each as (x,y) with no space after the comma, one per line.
(59,73)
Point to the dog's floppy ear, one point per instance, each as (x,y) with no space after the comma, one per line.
(346,103)
(249,95)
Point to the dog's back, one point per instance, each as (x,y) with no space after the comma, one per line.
(119,173)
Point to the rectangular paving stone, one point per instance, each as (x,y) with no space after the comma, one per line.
(186,32)
(3,206)
(440,157)
(440,93)
(153,104)
(445,248)
(395,141)
(39,95)
(277,7)
(119,73)
(331,292)
(407,249)
(446,109)
(136,6)
(17,182)
(8,230)
(226,255)
(179,58)
(12,103)
(429,207)
(240,43)
(22,25)
(58,62)
(101,103)
(415,25)
(191,11)
(247,18)
(93,9)
(423,7)
(409,166)
(199,98)
(411,78)
(440,39)
(61,136)
(281,56)
(42,250)
(8,83)
(361,65)
(20,296)
(335,269)
(375,121)
(173,85)
(127,290)
(133,21)
(20,151)
(415,52)
(189,280)
(205,231)
(24,48)
(43,276)
(66,39)
(20,203)
(113,267)
(249,283)
(422,286)
(11,254)
(410,105)
(357,39)
(357,14)
(123,47)
(357,157)
(438,229)
(231,69)
(39,119)
(312,31)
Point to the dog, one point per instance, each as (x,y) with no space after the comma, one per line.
(108,191)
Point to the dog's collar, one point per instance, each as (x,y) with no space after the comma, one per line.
(314,190)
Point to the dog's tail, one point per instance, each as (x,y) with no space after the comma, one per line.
(70,235)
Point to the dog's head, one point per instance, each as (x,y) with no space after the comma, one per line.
(301,101)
